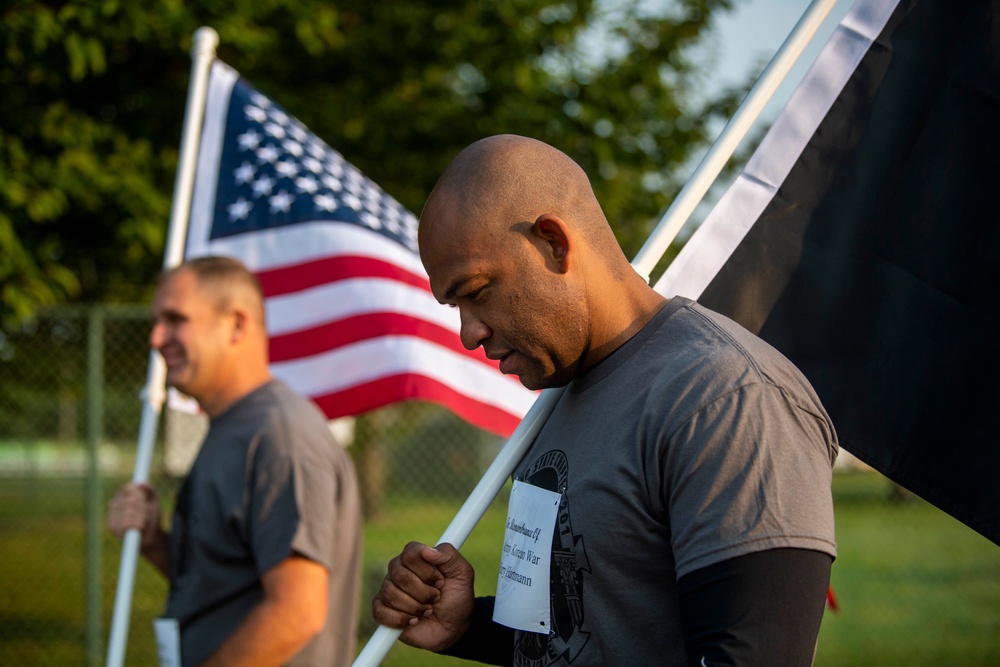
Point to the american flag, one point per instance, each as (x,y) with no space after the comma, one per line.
(352,321)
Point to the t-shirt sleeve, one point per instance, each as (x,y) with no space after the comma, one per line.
(750,471)
(316,491)
(291,494)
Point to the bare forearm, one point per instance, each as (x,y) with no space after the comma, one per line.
(268,637)
(292,612)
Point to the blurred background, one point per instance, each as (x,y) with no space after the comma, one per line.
(91,105)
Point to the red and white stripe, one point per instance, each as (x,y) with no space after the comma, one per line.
(352,320)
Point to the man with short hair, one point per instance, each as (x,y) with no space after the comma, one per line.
(263,555)
(687,464)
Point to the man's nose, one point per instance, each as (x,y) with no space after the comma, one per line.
(474,330)
(157,334)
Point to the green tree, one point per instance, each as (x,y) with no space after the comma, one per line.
(93,98)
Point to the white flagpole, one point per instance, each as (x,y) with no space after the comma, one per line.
(202,54)
(736,129)
(670,224)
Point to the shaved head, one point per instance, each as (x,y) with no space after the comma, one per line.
(500,181)
(513,236)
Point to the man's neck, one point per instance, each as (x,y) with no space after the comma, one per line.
(230,394)
(623,325)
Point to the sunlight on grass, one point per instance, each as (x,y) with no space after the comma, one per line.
(915,586)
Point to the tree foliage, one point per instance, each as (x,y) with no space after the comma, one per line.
(93,95)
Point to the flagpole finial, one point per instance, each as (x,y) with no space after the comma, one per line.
(205,41)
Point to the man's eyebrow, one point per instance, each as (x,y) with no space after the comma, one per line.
(456,285)
(167,314)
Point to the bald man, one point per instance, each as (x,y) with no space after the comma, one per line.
(263,557)
(684,476)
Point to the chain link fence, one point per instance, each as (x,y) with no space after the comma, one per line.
(912,585)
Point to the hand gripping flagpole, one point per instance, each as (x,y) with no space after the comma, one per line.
(202,54)
(670,224)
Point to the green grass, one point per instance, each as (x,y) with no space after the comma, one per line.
(43,565)
(425,521)
(915,586)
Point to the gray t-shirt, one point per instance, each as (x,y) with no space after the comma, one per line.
(693,443)
(269,479)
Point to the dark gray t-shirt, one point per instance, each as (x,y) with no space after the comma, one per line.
(693,443)
(269,479)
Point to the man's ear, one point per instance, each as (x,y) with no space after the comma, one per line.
(241,320)
(553,232)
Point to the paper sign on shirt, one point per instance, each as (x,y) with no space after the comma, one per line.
(168,641)
(522,600)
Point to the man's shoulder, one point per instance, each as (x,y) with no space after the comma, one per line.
(697,355)
(275,396)
(712,356)
(695,330)
(690,336)
(277,412)
(281,393)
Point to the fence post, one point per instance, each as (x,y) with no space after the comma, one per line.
(95,433)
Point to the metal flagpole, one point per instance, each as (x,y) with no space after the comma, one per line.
(670,224)
(202,54)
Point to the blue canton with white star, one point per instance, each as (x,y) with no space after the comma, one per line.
(274,172)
